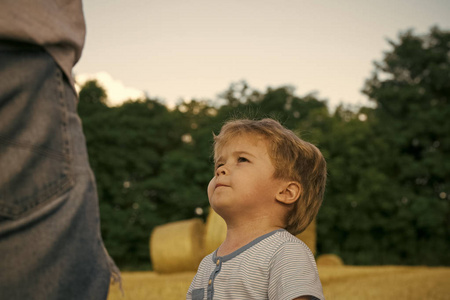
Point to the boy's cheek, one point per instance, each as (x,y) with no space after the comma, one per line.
(211,185)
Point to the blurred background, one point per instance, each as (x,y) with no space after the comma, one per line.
(367,82)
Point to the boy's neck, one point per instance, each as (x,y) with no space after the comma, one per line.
(240,235)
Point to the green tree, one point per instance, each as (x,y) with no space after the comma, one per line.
(356,213)
(187,169)
(92,98)
(126,146)
(411,87)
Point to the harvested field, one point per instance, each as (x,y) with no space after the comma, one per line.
(339,282)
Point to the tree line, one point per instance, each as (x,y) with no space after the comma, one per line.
(388,192)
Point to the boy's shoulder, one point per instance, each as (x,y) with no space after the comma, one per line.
(281,238)
(269,244)
(288,244)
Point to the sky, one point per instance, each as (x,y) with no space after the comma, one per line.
(178,50)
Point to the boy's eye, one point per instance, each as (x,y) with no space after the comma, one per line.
(218,166)
(242,159)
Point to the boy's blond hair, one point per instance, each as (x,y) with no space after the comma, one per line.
(293,159)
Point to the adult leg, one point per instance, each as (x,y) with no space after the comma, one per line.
(50,242)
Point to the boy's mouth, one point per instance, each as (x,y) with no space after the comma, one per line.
(221,185)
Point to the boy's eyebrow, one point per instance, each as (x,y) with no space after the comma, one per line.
(216,159)
(243,152)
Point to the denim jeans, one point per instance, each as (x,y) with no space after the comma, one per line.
(50,242)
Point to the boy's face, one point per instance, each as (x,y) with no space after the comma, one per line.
(243,183)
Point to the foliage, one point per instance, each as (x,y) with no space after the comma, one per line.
(387,199)
(413,117)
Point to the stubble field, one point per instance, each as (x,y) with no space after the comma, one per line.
(339,282)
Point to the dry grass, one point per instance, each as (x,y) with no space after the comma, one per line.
(150,285)
(390,282)
(339,282)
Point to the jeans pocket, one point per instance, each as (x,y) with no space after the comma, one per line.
(198,294)
(35,154)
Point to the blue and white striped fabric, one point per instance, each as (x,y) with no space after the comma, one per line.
(274,266)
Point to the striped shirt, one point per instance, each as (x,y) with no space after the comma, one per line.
(276,265)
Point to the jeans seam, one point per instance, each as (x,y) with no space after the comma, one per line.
(64,182)
(57,155)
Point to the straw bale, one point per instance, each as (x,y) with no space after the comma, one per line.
(329,260)
(177,246)
(309,236)
(216,231)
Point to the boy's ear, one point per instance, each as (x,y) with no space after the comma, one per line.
(289,193)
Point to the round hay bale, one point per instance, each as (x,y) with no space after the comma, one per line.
(216,231)
(177,246)
(329,260)
(309,236)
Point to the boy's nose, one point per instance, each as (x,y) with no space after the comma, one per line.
(221,171)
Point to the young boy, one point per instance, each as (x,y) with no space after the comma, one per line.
(268,185)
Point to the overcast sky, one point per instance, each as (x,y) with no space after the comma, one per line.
(182,49)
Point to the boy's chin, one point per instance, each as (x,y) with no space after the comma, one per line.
(221,208)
